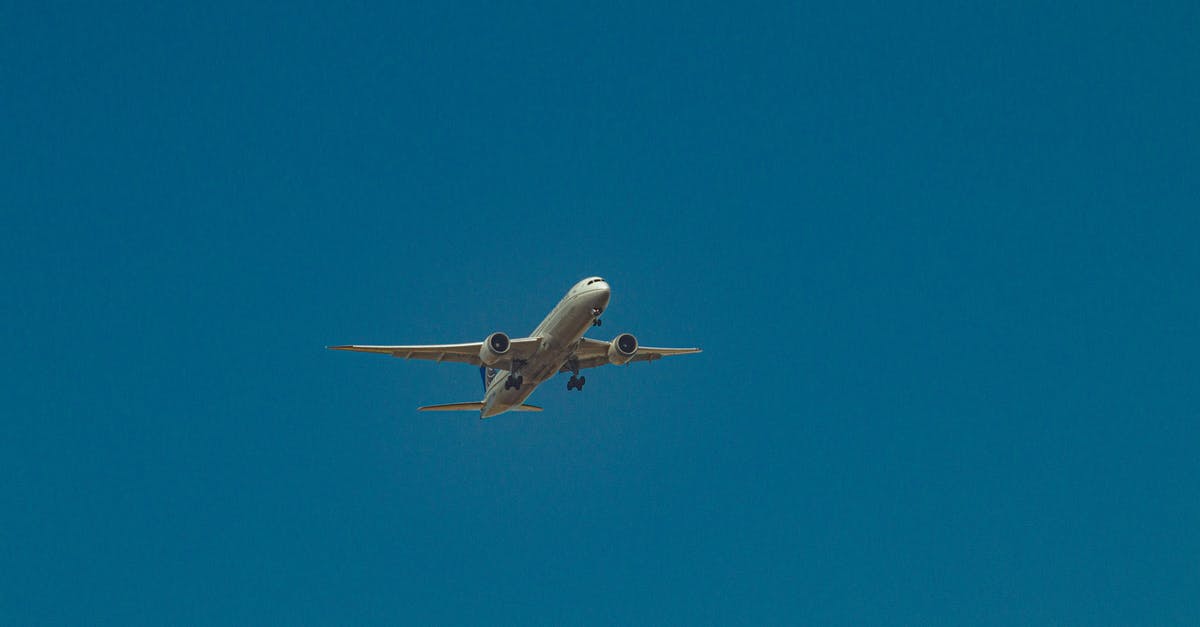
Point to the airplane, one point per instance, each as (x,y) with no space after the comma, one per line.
(512,368)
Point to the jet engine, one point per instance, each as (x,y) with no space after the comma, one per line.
(622,349)
(494,348)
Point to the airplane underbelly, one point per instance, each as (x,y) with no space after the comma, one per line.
(561,337)
(561,334)
(547,365)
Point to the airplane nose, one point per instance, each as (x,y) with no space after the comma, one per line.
(602,293)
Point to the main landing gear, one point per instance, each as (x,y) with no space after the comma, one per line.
(515,380)
(576,382)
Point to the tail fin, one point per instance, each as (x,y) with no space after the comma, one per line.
(486,375)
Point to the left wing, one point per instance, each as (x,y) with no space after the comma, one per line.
(592,353)
(519,349)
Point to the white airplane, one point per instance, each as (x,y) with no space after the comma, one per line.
(556,345)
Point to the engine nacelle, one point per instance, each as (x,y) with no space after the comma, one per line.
(494,348)
(622,349)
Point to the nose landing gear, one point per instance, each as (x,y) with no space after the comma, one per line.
(596,311)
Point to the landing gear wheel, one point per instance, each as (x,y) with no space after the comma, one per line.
(579,385)
(597,322)
(514,382)
(576,383)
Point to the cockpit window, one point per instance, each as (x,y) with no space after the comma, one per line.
(595,280)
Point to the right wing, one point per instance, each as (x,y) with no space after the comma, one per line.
(592,353)
(519,349)
(472,406)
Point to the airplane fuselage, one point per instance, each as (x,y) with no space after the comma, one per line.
(560,333)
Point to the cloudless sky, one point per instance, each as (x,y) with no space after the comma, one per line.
(942,262)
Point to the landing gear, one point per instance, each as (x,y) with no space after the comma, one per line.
(514,379)
(597,322)
(576,383)
(596,311)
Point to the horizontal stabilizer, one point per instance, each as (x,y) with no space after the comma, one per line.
(472,406)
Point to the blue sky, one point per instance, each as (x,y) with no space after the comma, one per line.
(942,261)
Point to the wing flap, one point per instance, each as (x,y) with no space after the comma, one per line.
(650,353)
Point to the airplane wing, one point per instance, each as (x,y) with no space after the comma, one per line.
(592,353)
(468,353)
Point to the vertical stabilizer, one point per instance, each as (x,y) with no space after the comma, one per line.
(486,375)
